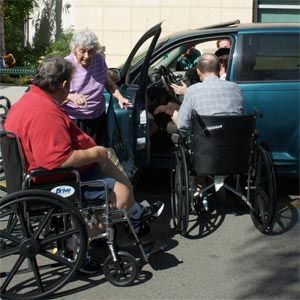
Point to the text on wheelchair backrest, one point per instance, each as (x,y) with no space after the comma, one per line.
(63,190)
(214,127)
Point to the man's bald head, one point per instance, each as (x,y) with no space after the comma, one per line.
(208,63)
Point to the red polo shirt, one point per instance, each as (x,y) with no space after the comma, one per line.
(47,134)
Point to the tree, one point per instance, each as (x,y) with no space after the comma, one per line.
(16,13)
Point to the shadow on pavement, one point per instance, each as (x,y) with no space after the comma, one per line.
(154,185)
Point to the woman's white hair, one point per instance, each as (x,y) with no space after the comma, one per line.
(85,39)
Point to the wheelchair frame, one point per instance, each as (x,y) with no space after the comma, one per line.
(256,187)
(4,107)
(49,230)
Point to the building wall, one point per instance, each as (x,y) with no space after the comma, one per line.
(120,23)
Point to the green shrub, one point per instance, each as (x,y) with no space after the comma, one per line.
(61,46)
(5,78)
(24,80)
(16,79)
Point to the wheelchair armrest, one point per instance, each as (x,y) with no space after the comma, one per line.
(94,183)
(94,203)
(41,176)
(45,172)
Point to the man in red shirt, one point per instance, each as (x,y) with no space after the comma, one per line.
(51,140)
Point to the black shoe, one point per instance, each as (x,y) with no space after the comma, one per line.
(90,267)
(153,211)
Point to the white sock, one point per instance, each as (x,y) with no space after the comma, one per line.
(135,211)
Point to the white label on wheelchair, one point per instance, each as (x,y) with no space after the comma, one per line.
(214,127)
(63,190)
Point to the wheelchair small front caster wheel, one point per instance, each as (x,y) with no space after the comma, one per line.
(121,272)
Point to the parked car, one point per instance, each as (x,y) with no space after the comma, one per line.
(264,60)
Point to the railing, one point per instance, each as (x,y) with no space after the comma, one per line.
(18,71)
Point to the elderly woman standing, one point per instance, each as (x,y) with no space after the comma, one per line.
(86,102)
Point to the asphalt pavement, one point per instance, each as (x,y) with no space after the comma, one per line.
(223,257)
(13,93)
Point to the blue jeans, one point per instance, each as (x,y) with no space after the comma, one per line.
(95,193)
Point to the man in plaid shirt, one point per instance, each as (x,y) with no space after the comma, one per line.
(212,96)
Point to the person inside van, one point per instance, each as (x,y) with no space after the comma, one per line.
(188,59)
(224,43)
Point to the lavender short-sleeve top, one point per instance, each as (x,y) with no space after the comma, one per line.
(88,81)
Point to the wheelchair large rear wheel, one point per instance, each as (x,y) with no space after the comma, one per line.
(121,272)
(176,190)
(37,229)
(263,199)
(180,192)
(186,199)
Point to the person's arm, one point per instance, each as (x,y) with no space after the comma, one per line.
(160,109)
(80,158)
(179,89)
(174,117)
(51,143)
(77,99)
(183,116)
(113,89)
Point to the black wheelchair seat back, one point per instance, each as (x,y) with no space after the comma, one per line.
(13,162)
(221,144)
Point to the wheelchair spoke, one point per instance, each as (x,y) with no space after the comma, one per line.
(261,209)
(59,259)
(64,235)
(35,269)
(126,267)
(12,223)
(20,212)
(6,213)
(5,235)
(118,272)
(12,273)
(44,222)
(8,252)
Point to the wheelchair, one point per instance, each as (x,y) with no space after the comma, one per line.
(5,105)
(221,152)
(43,230)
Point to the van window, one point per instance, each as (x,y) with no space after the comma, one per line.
(267,57)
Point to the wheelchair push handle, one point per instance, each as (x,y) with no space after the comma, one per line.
(7,105)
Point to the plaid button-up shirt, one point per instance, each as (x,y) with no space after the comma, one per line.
(213,96)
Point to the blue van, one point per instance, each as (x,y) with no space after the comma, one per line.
(264,60)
